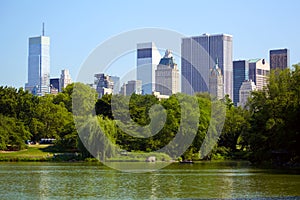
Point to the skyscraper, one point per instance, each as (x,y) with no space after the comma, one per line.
(197,58)
(133,86)
(54,85)
(104,85)
(167,75)
(247,87)
(216,85)
(123,90)
(279,59)
(116,81)
(259,70)
(65,79)
(147,59)
(240,74)
(39,65)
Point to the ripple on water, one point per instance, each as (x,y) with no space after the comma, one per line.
(86,181)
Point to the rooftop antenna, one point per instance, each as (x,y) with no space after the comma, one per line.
(43,31)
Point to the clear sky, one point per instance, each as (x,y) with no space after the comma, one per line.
(77,27)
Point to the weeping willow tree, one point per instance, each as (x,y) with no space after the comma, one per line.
(97,134)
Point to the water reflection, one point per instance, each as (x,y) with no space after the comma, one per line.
(86,181)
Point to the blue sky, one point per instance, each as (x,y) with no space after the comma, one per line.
(78,27)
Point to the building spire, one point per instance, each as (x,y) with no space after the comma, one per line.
(168,54)
(43,30)
(216,64)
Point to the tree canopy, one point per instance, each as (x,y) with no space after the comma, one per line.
(268,130)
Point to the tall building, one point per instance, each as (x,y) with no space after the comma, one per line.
(54,85)
(279,59)
(133,86)
(65,79)
(39,65)
(240,74)
(259,70)
(148,58)
(167,75)
(216,85)
(247,87)
(116,81)
(123,90)
(197,58)
(104,85)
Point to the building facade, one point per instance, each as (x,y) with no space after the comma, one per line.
(167,75)
(148,58)
(279,59)
(131,87)
(104,85)
(123,90)
(240,74)
(116,81)
(65,79)
(247,87)
(54,85)
(216,84)
(38,65)
(259,70)
(198,56)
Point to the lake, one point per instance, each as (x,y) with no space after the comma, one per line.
(30,180)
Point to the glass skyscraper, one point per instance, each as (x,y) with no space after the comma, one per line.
(240,74)
(198,55)
(148,58)
(38,65)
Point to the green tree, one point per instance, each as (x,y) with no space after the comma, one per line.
(103,106)
(49,119)
(65,97)
(83,100)
(236,124)
(274,133)
(13,133)
(97,136)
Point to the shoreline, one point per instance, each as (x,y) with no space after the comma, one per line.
(45,153)
(95,161)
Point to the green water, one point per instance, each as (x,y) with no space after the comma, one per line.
(91,181)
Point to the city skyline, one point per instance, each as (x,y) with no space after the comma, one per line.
(74,36)
(196,58)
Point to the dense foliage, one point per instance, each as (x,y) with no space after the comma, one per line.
(267,130)
(275,119)
(28,117)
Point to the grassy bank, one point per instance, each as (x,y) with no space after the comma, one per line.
(50,153)
(39,153)
(32,153)
(140,157)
